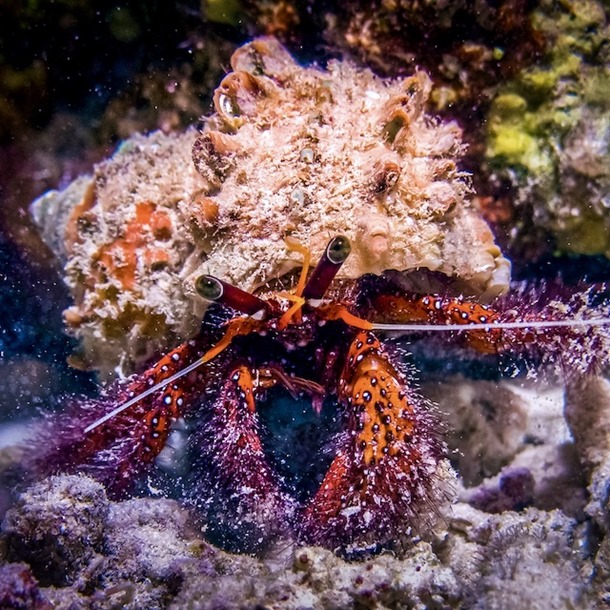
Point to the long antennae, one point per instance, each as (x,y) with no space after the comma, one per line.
(237,326)
(148,392)
(491,325)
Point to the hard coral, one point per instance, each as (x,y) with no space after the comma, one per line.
(548,135)
(290,152)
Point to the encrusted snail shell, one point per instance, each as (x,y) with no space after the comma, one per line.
(290,152)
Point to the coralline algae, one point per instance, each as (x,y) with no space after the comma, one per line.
(290,152)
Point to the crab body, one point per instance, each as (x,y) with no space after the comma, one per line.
(388,467)
(389,458)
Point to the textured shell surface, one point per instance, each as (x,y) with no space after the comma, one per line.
(290,152)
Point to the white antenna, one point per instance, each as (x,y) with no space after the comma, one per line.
(151,390)
(492,325)
(375,326)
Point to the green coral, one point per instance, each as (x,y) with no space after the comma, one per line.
(548,127)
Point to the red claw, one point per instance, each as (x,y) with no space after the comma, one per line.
(386,467)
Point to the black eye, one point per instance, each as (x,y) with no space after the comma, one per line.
(208,287)
(338,249)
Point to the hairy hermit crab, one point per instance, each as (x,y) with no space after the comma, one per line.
(388,467)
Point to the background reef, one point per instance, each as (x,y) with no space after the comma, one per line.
(527,82)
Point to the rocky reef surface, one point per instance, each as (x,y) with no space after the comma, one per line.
(290,152)
(528,530)
(548,133)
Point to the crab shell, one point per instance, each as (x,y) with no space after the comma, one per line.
(291,151)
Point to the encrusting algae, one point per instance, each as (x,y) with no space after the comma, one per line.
(290,152)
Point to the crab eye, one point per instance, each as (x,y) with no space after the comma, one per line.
(338,249)
(213,289)
(209,287)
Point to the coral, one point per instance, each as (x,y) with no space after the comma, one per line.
(19,589)
(290,152)
(514,491)
(313,577)
(132,553)
(486,422)
(527,560)
(147,545)
(57,526)
(149,542)
(506,432)
(548,135)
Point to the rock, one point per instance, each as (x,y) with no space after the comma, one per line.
(57,526)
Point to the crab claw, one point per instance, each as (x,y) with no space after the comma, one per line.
(242,495)
(389,465)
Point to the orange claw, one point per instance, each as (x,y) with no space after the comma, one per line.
(388,465)
(373,383)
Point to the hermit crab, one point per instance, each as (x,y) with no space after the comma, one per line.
(324,340)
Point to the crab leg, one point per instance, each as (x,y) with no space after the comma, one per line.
(122,447)
(241,490)
(389,464)
(441,311)
(573,331)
